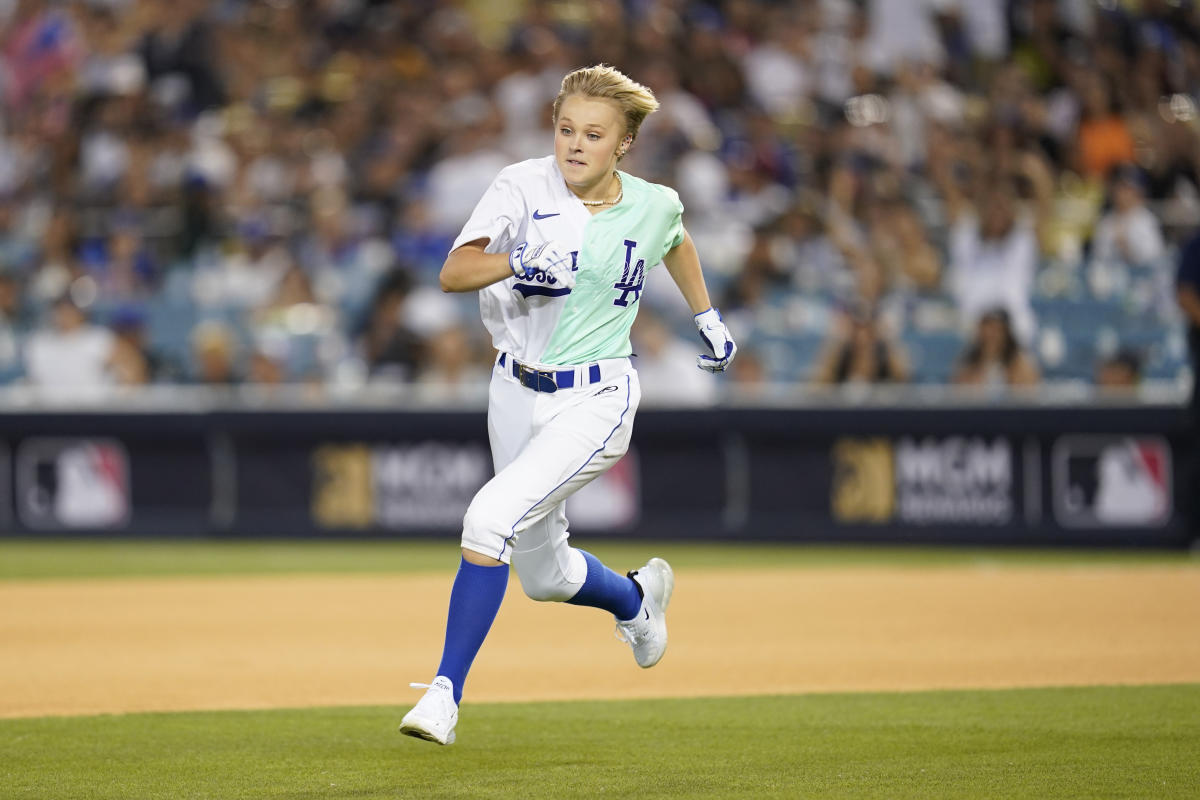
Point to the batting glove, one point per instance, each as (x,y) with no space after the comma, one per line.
(546,263)
(716,336)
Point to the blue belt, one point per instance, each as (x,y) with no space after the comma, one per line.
(547,380)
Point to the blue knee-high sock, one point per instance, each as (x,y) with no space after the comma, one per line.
(603,588)
(474,601)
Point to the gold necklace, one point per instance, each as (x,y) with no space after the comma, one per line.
(614,201)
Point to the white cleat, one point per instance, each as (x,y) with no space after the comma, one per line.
(434,716)
(647,632)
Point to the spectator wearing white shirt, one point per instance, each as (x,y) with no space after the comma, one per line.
(71,359)
(667,377)
(1129,232)
(993,244)
(993,259)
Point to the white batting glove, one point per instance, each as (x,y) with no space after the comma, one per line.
(548,259)
(716,336)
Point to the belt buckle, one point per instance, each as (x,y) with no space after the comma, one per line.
(537,380)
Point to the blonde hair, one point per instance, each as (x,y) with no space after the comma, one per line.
(636,101)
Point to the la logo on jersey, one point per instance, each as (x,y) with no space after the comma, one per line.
(632,278)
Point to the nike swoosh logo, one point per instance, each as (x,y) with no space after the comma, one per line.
(540,215)
(647,613)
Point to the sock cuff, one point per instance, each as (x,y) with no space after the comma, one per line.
(482,570)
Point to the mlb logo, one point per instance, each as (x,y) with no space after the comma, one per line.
(72,483)
(1112,481)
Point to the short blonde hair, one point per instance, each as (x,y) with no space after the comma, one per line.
(636,101)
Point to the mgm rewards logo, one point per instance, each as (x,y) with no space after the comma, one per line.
(923,481)
(863,480)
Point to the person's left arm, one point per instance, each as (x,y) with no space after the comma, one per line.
(683,263)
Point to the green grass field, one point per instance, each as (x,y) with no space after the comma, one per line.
(1131,742)
(31,558)
(1108,742)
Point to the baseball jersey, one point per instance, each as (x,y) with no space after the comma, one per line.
(543,324)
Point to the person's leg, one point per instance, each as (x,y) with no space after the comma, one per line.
(574,439)
(550,569)
(479,585)
(475,599)
(588,436)
(481,580)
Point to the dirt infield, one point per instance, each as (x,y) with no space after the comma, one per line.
(71,647)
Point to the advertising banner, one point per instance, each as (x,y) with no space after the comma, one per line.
(1029,477)
(948,480)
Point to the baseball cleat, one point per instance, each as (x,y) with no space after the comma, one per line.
(434,716)
(647,632)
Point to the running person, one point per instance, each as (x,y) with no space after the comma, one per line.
(558,248)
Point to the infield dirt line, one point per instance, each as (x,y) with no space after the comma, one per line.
(96,646)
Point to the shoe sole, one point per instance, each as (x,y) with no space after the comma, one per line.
(668,580)
(412,729)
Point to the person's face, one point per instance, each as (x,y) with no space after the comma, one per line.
(998,215)
(1126,196)
(587,136)
(991,335)
(216,363)
(67,317)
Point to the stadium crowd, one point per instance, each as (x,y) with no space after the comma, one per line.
(986,192)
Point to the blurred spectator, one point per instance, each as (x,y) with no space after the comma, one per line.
(903,32)
(71,359)
(14,310)
(1129,233)
(872,151)
(131,363)
(391,350)
(1104,137)
(17,250)
(122,266)
(56,264)
(995,358)
(14,322)
(749,372)
(179,47)
(215,354)
(246,274)
(264,370)
(666,365)
(860,352)
(993,244)
(809,252)
(451,364)
(900,244)
(1120,372)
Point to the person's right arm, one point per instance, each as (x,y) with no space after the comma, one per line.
(468,268)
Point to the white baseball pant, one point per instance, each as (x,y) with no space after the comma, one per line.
(545,447)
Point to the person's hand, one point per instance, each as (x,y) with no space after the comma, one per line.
(548,259)
(720,342)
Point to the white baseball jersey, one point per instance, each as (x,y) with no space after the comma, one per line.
(545,325)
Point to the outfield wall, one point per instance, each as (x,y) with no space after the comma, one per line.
(1064,475)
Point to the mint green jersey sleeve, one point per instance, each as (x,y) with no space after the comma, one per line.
(674,235)
(619,247)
